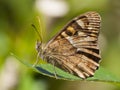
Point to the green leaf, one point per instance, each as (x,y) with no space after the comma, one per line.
(52,71)
(101,75)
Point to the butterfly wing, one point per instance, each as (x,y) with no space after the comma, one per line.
(75,49)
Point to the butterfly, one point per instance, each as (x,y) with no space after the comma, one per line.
(75,48)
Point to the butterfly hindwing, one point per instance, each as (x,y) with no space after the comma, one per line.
(75,49)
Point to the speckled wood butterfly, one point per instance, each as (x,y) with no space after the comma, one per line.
(75,48)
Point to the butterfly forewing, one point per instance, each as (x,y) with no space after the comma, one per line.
(75,48)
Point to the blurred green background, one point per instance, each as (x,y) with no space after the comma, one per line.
(18,38)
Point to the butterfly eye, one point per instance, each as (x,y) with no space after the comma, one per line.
(38,45)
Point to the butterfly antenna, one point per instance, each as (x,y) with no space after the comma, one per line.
(39,44)
(37,32)
(40,25)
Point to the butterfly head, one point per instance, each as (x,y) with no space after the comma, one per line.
(39,47)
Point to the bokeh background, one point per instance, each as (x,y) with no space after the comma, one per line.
(18,39)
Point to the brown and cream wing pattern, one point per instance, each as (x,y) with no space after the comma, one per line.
(75,49)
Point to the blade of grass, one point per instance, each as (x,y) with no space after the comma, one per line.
(101,75)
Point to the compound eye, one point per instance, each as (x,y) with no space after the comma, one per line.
(38,45)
